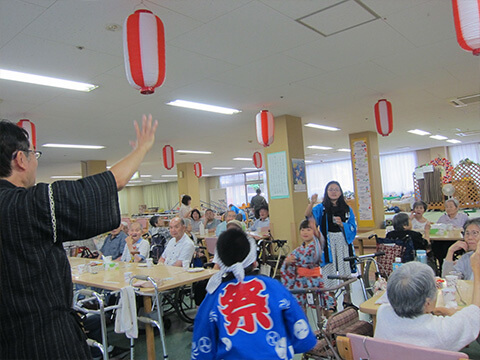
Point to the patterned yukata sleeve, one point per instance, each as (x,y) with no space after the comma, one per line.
(205,333)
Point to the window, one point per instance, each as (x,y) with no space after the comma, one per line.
(241,187)
(461,152)
(397,173)
(319,175)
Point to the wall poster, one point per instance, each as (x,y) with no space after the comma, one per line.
(361,177)
(278,175)
(299,175)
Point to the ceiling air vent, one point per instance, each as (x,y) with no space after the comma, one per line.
(465,100)
(468,133)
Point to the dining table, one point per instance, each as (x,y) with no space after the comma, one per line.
(94,273)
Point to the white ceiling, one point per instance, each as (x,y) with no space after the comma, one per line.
(244,54)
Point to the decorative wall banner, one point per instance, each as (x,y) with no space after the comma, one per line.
(299,175)
(278,175)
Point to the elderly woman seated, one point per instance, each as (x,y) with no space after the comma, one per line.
(411,317)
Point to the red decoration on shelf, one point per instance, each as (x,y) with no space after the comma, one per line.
(168,157)
(383,117)
(144,51)
(466,15)
(257,160)
(447,165)
(265,127)
(197,168)
(29,127)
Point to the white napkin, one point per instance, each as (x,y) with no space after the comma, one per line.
(126,321)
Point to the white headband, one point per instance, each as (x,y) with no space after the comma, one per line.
(238,269)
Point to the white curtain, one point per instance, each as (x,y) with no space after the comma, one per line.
(461,152)
(235,185)
(164,196)
(396,171)
(318,176)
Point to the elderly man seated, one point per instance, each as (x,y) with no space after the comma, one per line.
(136,248)
(114,243)
(411,316)
(210,222)
(180,248)
(229,216)
(263,221)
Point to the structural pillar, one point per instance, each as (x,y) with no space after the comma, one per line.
(367,179)
(188,183)
(287,190)
(92,167)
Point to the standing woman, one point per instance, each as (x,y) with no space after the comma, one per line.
(185,209)
(337,225)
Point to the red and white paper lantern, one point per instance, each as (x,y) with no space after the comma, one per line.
(168,157)
(197,169)
(29,127)
(466,15)
(144,51)
(383,117)
(265,127)
(257,160)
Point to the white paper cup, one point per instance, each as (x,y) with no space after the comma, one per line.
(149,262)
(452,281)
(128,276)
(81,269)
(449,295)
(186,264)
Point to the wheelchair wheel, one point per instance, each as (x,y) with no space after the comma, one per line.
(185,305)
(369,277)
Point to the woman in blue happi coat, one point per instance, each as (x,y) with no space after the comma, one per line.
(336,221)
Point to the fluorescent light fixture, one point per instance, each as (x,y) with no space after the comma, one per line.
(203,107)
(454,141)
(438,137)
(222,168)
(322,127)
(419,132)
(74,146)
(169,175)
(109,167)
(193,152)
(344,150)
(159,181)
(136,175)
(135,181)
(316,147)
(242,159)
(250,168)
(145,176)
(308,161)
(45,80)
(65,177)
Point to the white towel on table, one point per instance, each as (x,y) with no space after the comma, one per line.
(126,321)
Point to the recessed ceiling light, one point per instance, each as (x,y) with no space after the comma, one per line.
(45,80)
(250,168)
(159,181)
(419,132)
(222,168)
(74,146)
(203,107)
(169,175)
(322,127)
(344,150)
(65,177)
(242,159)
(454,141)
(316,147)
(145,176)
(438,137)
(193,152)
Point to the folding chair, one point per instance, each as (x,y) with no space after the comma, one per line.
(361,347)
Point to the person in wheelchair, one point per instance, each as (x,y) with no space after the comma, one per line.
(402,225)
(247,316)
(301,269)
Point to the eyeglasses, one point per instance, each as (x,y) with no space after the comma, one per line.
(473,233)
(37,153)
(333,190)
